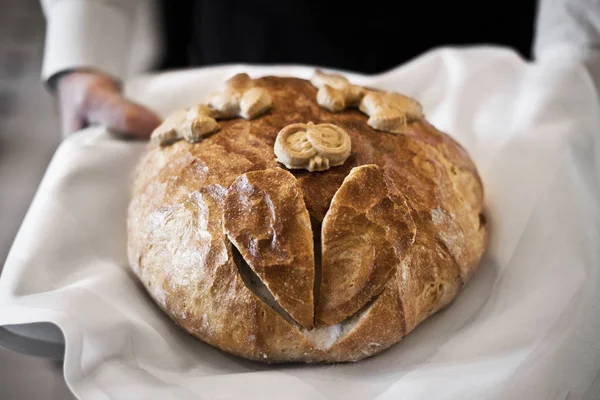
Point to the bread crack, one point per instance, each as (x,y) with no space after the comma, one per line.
(316,229)
(257,287)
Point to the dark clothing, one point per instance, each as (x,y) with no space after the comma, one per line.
(367,37)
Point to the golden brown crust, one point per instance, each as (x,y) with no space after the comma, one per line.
(179,250)
(365,236)
(266,220)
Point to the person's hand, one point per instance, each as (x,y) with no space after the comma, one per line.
(87,98)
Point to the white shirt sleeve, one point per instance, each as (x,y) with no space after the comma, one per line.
(94,34)
(569,29)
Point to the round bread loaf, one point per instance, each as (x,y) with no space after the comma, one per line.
(279,264)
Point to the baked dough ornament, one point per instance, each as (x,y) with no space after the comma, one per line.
(239,99)
(191,124)
(312,147)
(335,91)
(388,111)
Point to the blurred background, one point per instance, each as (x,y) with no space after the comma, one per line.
(29,134)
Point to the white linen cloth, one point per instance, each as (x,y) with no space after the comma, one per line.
(526,327)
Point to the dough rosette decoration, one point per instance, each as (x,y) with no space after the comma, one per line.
(312,147)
